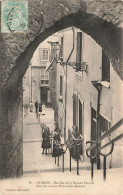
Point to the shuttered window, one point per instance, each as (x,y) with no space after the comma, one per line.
(61,50)
(104,124)
(105,67)
(79,47)
(74,109)
(61,85)
(80,117)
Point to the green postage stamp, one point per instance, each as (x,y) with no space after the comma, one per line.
(14,17)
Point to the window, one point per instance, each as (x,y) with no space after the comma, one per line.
(46,82)
(80,117)
(46,77)
(42,76)
(105,67)
(74,109)
(104,124)
(79,47)
(61,51)
(42,81)
(44,54)
(61,85)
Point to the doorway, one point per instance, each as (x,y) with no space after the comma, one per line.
(44,95)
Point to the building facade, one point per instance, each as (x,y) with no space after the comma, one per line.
(36,80)
(86,95)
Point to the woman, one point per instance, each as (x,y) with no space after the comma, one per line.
(46,140)
(77,146)
(57,133)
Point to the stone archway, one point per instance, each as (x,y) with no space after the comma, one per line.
(100,20)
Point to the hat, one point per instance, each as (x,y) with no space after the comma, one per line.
(55,123)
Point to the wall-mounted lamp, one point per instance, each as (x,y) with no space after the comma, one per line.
(78,66)
(60,98)
(59,60)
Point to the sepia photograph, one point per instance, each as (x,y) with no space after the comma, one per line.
(61,97)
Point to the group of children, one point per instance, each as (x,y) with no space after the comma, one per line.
(48,136)
(74,142)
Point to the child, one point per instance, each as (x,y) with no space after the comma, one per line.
(46,140)
(39,112)
(43,109)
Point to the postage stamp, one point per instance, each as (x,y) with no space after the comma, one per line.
(14,17)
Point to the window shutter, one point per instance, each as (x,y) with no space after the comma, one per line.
(61,85)
(74,109)
(79,47)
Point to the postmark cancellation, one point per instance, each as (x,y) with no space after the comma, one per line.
(14,17)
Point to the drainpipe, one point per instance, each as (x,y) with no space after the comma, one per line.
(98,86)
(31,83)
(77,121)
(66,84)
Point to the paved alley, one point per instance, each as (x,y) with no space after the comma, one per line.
(42,176)
(38,168)
(34,162)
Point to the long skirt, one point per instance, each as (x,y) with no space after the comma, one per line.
(46,143)
(74,151)
(57,150)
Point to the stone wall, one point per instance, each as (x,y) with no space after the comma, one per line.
(11,133)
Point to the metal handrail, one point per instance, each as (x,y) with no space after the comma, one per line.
(114,128)
(98,149)
(112,141)
(78,139)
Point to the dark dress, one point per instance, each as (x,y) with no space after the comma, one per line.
(46,140)
(75,150)
(40,108)
(57,149)
(57,135)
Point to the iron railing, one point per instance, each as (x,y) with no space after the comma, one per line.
(95,144)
